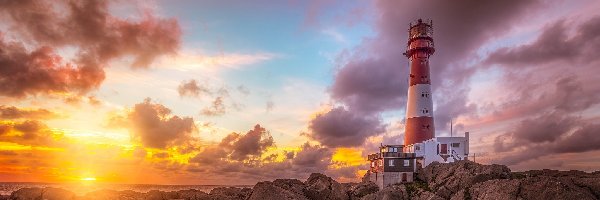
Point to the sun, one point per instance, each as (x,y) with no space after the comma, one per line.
(88,179)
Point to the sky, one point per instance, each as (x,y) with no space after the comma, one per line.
(236,92)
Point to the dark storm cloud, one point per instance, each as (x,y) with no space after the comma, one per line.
(555,44)
(547,134)
(86,25)
(192,88)
(12,112)
(559,129)
(583,139)
(154,125)
(373,75)
(566,94)
(342,128)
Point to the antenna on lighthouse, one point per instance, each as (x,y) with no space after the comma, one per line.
(451,127)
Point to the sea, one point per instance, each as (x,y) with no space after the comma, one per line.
(6,188)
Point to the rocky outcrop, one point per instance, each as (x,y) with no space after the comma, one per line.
(232,193)
(112,194)
(363,189)
(456,181)
(42,193)
(446,179)
(392,192)
(321,187)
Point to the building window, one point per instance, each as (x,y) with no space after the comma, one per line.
(417,148)
(393,149)
(425,94)
(391,163)
(425,111)
(455,145)
(425,127)
(406,163)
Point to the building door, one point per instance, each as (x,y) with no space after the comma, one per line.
(403,177)
(444,149)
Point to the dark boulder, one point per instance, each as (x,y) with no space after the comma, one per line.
(42,193)
(193,195)
(360,190)
(270,191)
(226,193)
(446,179)
(321,187)
(392,192)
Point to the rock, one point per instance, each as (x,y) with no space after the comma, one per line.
(230,193)
(551,188)
(392,192)
(112,194)
(160,195)
(592,184)
(27,194)
(538,187)
(446,179)
(495,189)
(319,186)
(360,190)
(45,193)
(193,194)
(293,185)
(366,177)
(425,195)
(270,191)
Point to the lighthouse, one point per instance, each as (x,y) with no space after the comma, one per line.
(419,109)
(396,163)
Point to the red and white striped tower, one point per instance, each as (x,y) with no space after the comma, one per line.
(419,109)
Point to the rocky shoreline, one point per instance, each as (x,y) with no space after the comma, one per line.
(461,180)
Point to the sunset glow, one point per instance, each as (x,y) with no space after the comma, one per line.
(237,92)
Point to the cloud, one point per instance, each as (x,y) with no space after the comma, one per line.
(243,89)
(238,147)
(187,61)
(29,132)
(554,44)
(192,88)
(546,134)
(216,161)
(342,128)
(253,143)
(216,108)
(270,105)
(313,156)
(541,83)
(154,126)
(97,36)
(12,112)
(584,139)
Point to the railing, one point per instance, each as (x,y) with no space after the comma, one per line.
(455,155)
(390,154)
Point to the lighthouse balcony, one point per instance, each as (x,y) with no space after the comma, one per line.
(376,156)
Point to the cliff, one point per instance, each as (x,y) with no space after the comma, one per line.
(461,180)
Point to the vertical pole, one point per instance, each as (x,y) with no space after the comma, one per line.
(451,127)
